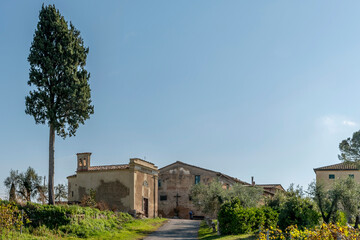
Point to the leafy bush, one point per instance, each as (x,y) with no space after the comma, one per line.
(271,218)
(341,219)
(277,201)
(235,219)
(54,216)
(89,200)
(210,197)
(48,215)
(10,217)
(60,220)
(322,232)
(298,211)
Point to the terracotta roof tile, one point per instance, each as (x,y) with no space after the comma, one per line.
(339,166)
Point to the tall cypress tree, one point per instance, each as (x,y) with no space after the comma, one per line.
(60,96)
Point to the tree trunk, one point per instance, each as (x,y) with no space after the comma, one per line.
(357,219)
(51,165)
(28,196)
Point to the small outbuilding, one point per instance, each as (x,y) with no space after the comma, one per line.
(131,187)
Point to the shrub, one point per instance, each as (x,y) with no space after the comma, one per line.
(89,200)
(48,215)
(322,232)
(54,216)
(59,219)
(102,206)
(10,217)
(277,201)
(271,218)
(298,211)
(235,219)
(341,219)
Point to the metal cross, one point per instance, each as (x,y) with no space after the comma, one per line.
(177,199)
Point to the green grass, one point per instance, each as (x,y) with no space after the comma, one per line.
(206,233)
(74,222)
(134,229)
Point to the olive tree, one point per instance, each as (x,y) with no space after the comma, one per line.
(61,192)
(209,198)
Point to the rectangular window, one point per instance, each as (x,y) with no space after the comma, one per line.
(163,197)
(331,176)
(197,179)
(72,193)
(351,175)
(159,183)
(190,198)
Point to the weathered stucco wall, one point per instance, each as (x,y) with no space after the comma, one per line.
(177,180)
(323,176)
(112,187)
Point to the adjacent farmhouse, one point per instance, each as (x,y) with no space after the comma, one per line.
(328,174)
(175,181)
(129,187)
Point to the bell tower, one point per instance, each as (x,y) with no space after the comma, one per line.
(83,161)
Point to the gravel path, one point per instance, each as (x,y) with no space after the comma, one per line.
(176,229)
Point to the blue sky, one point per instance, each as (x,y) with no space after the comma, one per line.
(249,88)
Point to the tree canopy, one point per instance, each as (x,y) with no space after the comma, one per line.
(61,192)
(26,185)
(350,148)
(209,197)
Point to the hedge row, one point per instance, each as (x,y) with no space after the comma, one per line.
(54,216)
(234,219)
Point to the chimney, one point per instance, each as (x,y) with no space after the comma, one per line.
(252,181)
(83,161)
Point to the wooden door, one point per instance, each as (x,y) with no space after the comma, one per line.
(146,207)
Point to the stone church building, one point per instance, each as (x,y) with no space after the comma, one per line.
(175,181)
(129,187)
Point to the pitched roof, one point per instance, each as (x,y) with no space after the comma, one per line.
(217,173)
(339,166)
(270,186)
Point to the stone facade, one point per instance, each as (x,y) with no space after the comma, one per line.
(175,182)
(327,175)
(129,187)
